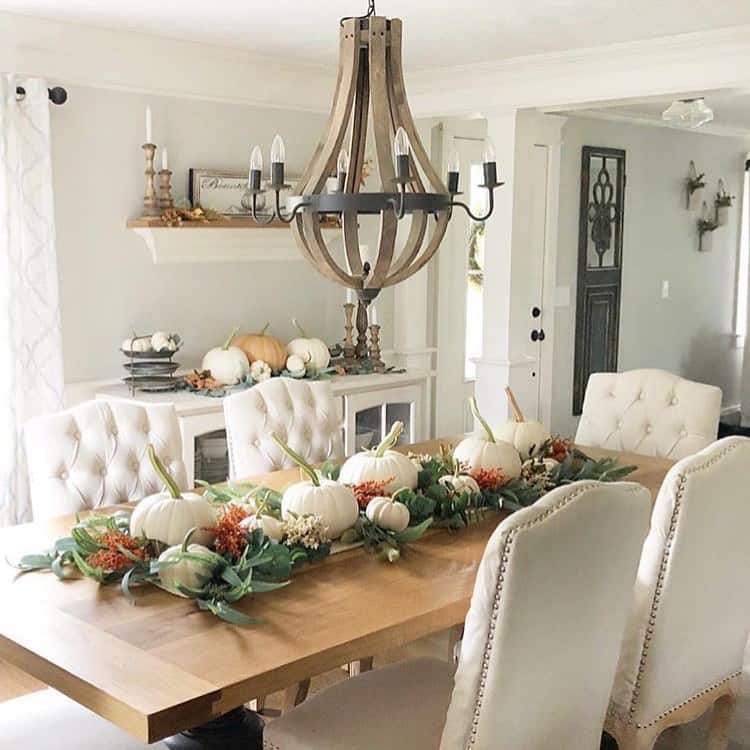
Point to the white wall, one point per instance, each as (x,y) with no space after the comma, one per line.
(691,333)
(108,282)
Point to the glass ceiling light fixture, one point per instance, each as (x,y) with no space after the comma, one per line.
(688,113)
(370,80)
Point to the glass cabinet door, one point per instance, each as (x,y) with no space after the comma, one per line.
(368,428)
(400,412)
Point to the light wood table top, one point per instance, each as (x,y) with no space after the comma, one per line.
(162,666)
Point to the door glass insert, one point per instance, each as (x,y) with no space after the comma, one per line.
(475,273)
(367,428)
(400,412)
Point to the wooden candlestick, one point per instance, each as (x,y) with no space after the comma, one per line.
(375,347)
(165,189)
(150,202)
(349,329)
(361,349)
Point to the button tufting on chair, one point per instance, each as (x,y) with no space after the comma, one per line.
(655,412)
(301,413)
(81,446)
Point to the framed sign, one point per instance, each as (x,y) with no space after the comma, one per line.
(222,191)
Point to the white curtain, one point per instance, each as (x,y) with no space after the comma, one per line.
(31,378)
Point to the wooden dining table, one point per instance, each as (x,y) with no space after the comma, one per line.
(162,666)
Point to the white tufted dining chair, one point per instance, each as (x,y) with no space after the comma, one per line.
(48,720)
(539,651)
(303,414)
(651,412)
(684,643)
(95,455)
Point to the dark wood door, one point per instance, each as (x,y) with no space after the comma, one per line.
(599,265)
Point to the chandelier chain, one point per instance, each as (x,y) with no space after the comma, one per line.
(370,12)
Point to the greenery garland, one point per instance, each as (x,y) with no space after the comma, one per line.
(246,561)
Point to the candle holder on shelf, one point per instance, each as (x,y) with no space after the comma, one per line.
(150,201)
(349,352)
(165,189)
(377,364)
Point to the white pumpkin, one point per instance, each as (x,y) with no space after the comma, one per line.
(483,451)
(335,503)
(160,340)
(137,344)
(526,437)
(228,364)
(313,352)
(260,371)
(382,463)
(193,573)
(272,527)
(460,483)
(168,516)
(295,366)
(388,514)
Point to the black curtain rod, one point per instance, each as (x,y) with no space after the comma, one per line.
(57,95)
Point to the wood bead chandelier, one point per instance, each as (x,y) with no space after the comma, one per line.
(370,79)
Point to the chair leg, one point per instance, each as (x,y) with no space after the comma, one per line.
(359,666)
(721,716)
(635,740)
(296,694)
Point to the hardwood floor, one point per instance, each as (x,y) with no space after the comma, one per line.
(692,736)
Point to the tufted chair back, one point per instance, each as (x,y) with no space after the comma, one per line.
(691,604)
(95,455)
(649,411)
(546,619)
(303,414)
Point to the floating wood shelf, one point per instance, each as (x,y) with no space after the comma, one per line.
(202,244)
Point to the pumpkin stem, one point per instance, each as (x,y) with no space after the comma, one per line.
(162,473)
(226,344)
(294,456)
(514,407)
(265,328)
(301,330)
(480,419)
(187,538)
(389,440)
(399,490)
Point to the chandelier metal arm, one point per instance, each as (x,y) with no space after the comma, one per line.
(490,206)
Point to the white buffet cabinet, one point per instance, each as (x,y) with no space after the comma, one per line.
(369,405)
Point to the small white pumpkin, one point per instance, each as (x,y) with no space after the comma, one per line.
(160,340)
(295,366)
(382,463)
(388,514)
(260,371)
(485,452)
(272,527)
(190,572)
(168,516)
(526,437)
(228,364)
(314,352)
(460,483)
(335,503)
(137,344)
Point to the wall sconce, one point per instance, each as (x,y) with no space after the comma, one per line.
(705,224)
(695,183)
(723,204)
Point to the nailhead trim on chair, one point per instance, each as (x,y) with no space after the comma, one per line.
(657,597)
(507,545)
(268,745)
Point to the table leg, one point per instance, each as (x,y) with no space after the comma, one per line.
(239,729)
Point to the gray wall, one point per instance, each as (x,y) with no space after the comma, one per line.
(691,333)
(108,282)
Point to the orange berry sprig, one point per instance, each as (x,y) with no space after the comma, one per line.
(366,491)
(231,537)
(112,559)
(489,479)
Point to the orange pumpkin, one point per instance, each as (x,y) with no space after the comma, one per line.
(262,346)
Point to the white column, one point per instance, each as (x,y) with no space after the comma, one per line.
(494,367)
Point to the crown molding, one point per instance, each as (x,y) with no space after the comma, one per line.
(74,54)
(710,128)
(704,60)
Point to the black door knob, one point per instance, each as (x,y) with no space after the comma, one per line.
(535,312)
(537,335)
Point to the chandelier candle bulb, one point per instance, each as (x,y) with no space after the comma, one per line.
(401,148)
(454,168)
(256,169)
(277,162)
(490,165)
(342,168)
